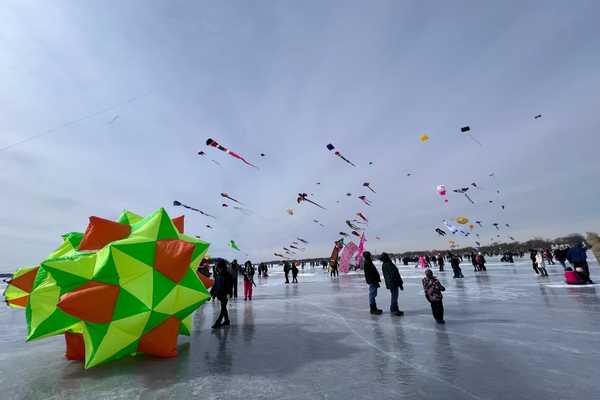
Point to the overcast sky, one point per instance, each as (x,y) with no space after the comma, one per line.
(286,78)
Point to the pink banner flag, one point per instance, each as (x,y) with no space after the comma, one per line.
(361,249)
(347,253)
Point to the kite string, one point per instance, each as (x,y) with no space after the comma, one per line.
(75,121)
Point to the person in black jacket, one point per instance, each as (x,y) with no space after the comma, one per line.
(455,264)
(294,272)
(393,281)
(373,279)
(222,289)
(440,262)
(235,270)
(286,271)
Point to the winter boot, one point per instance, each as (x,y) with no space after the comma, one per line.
(375,310)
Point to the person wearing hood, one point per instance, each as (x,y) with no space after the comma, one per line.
(533,257)
(393,282)
(373,279)
(433,293)
(222,289)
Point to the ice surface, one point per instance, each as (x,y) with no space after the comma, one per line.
(509,335)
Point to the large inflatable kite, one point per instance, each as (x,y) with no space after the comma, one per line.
(121,288)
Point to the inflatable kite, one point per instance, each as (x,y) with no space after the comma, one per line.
(304,197)
(365,200)
(233,245)
(226,196)
(331,147)
(462,220)
(441,189)
(424,138)
(179,204)
(362,217)
(466,130)
(212,143)
(121,288)
(368,186)
(302,240)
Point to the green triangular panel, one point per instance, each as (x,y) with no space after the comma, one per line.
(74,238)
(199,252)
(41,276)
(186,312)
(148,227)
(105,270)
(191,280)
(141,251)
(186,326)
(93,335)
(57,322)
(167,229)
(162,287)
(127,351)
(127,305)
(80,265)
(67,281)
(127,217)
(155,319)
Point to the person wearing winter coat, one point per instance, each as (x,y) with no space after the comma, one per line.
(294,272)
(440,262)
(393,282)
(235,270)
(480,261)
(286,271)
(541,264)
(423,262)
(455,264)
(433,293)
(533,257)
(222,289)
(248,274)
(373,279)
(578,257)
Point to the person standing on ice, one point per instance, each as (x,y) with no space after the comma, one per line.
(533,257)
(222,289)
(578,257)
(440,262)
(541,265)
(422,262)
(433,293)
(393,282)
(334,269)
(248,274)
(235,270)
(286,271)
(480,261)
(373,279)
(294,272)
(455,264)
(474,262)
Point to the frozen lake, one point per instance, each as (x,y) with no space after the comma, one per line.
(509,335)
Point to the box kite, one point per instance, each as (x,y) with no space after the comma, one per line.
(121,288)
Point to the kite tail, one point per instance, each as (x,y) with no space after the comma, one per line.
(233,154)
(470,199)
(475,140)
(316,204)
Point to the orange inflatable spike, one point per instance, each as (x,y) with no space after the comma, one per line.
(162,340)
(101,232)
(173,258)
(92,302)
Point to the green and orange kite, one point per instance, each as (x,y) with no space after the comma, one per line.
(121,288)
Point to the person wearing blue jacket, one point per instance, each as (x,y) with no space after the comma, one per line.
(578,257)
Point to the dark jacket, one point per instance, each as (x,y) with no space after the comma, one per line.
(576,254)
(371,274)
(223,286)
(433,289)
(248,273)
(391,275)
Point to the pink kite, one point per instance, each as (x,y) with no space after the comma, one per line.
(347,254)
(361,249)
(213,143)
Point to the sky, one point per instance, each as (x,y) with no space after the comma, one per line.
(285,78)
